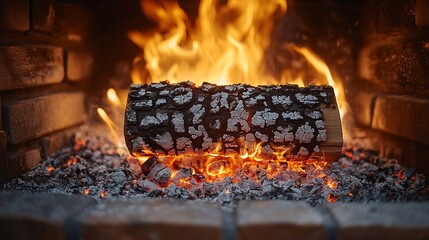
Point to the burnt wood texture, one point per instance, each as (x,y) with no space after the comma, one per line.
(171,119)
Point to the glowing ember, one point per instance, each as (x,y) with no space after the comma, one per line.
(79,143)
(331,198)
(332,184)
(50,169)
(216,165)
(72,160)
(358,175)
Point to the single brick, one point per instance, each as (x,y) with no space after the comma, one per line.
(3,140)
(79,65)
(20,158)
(396,15)
(402,116)
(422,13)
(363,104)
(1,122)
(395,66)
(382,221)
(153,219)
(53,142)
(68,21)
(43,15)
(72,22)
(24,66)
(368,18)
(278,220)
(31,118)
(31,158)
(3,167)
(14,15)
(37,215)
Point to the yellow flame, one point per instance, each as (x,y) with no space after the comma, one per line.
(113,97)
(113,128)
(323,68)
(226,45)
(114,121)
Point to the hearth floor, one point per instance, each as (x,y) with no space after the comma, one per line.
(94,167)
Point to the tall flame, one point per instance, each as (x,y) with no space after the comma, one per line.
(113,120)
(316,62)
(113,128)
(323,68)
(226,46)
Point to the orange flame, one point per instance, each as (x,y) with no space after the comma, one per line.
(113,122)
(226,45)
(320,65)
(112,126)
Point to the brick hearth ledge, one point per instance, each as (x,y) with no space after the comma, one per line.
(59,216)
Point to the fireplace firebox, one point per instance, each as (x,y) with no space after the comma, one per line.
(315,109)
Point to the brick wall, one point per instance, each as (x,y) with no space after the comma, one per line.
(44,67)
(392,87)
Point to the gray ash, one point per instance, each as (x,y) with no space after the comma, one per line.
(94,167)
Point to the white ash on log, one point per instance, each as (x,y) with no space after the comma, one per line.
(172,119)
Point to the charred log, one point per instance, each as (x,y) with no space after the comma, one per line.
(180,118)
(156,171)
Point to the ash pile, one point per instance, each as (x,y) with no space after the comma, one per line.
(94,167)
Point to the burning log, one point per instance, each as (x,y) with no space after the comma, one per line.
(173,119)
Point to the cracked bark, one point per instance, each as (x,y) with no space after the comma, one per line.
(182,118)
